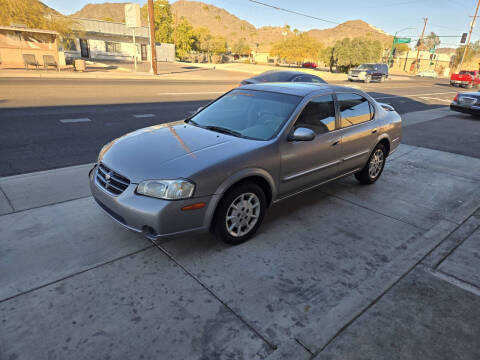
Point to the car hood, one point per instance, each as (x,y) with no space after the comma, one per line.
(166,151)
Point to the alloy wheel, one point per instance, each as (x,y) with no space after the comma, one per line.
(376,163)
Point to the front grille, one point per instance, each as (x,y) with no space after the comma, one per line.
(110,180)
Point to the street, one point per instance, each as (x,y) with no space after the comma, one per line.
(77,117)
(345,271)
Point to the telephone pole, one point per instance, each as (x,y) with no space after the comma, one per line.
(472,25)
(420,43)
(152,37)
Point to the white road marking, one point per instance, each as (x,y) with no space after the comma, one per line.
(194,93)
(139,116)
(434,98)
(68,121)
(415,95)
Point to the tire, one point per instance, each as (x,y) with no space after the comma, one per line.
(373,169)
(368,78)
(240,224)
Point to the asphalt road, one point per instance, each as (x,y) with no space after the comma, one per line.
(51,123)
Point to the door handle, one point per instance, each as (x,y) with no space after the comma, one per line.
(335,142)
(374,131)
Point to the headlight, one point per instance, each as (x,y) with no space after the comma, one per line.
(166,189)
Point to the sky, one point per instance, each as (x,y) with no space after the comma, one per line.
(445,17)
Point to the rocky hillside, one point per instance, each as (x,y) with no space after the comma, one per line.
(221,22)
(113,11)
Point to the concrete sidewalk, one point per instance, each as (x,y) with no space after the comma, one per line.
(346,272)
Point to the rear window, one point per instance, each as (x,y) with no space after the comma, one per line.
(274,77)
(467,73)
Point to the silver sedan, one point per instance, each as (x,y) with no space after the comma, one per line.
(221,168)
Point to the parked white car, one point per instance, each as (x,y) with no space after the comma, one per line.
(428,73)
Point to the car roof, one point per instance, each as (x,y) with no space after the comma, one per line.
(285,73)
(297,88)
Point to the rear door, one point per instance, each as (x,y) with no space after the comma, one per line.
(306,163)
(358,130)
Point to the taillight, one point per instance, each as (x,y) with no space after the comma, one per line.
(455,98)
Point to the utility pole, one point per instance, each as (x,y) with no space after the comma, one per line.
(152,37)
(472,25)
(420,42)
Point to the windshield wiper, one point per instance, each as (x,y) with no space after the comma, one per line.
(223,130)
(189,120)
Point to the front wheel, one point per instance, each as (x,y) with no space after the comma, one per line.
(374,167)
(240,213)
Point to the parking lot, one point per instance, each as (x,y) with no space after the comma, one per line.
(344,271)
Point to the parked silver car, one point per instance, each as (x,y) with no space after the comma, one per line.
(257,144)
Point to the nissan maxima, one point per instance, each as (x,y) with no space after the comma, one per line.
(221,168)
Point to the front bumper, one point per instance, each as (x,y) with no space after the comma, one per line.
(357,77)
(155,218)
(473,110)
(458,82)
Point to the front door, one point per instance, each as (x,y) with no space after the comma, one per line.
(307,163)
(144,52)
(84,51)
(359,131)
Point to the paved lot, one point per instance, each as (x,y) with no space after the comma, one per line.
(324,267)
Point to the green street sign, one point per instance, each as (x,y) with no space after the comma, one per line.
(402,40)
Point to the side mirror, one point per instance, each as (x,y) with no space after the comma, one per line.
(302,134)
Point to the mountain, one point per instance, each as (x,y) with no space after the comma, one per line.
(353,28)
(221,22)
(113,11)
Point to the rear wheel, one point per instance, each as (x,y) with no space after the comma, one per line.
(374,167)
(240,213)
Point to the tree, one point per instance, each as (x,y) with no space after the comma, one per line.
(352,52)
(326,56)
(241,47)
(210,44)
(297,49)
(163,20)
(185,38)
(472,52)
(34,14)
(429,42)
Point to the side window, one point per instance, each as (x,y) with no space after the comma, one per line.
(302,78)
(316,80)
(318,115)
(354,109)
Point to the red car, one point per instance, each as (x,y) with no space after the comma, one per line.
(310,65)
(466,78)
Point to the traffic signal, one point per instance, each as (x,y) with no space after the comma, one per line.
(464,38)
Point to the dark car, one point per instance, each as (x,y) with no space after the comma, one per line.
(283,76)
(369,72)
(467,102)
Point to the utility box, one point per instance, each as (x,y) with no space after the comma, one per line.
(79,65)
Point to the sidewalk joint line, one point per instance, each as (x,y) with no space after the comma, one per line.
(74,274)
(380,296)
(46,205)
(8,201)
(455,281)
(192,275)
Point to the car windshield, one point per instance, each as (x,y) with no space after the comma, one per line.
(252,114)
(367,67)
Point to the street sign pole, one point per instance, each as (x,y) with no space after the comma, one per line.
(152,37)
(132,20)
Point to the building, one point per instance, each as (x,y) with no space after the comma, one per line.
(105,40)
(439,61)
(18,41)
